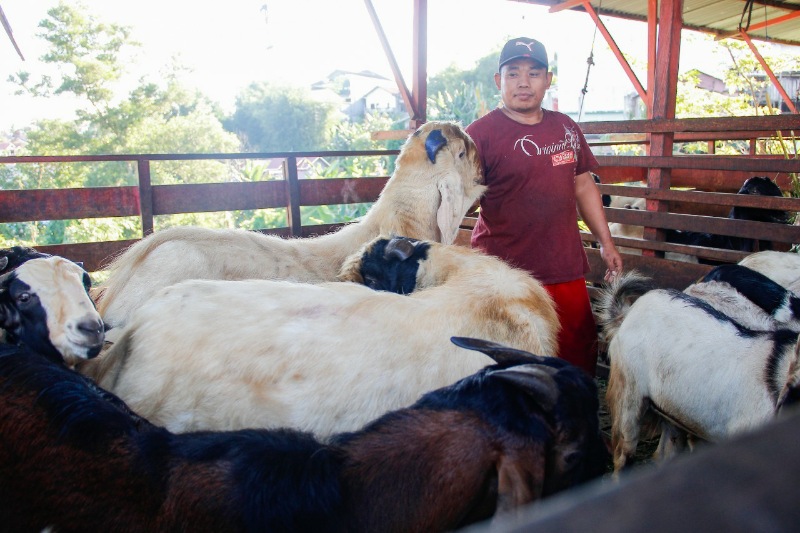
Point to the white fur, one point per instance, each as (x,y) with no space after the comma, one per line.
(424,200)
(323,358)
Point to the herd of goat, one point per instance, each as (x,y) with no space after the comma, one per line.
(378,378)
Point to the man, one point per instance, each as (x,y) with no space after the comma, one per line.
(537,166)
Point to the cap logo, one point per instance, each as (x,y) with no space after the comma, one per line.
(526,45)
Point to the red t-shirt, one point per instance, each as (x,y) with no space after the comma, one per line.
(528,214)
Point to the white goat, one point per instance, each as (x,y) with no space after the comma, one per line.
(324,358)
(674,355)
(438,178)
(781,267)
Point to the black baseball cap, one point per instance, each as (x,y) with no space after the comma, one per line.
(523,47)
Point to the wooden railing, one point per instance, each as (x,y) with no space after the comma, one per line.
(708,184)
(146,200)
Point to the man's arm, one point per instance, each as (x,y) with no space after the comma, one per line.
(590,207)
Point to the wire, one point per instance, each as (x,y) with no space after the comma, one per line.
(589,65)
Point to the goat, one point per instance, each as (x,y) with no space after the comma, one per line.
(74,457)
(758,185)
(322,358)
(44,304)
(437,179)
(698,369)
(781,267)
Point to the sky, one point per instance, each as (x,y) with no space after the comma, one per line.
(299,42)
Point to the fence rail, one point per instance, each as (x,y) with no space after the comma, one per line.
(707,185)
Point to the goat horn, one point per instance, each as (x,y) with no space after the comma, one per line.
(535,380)
(3,262)
(399,247)
(498,352)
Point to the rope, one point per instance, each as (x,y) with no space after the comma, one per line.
(748,10)
(589,65)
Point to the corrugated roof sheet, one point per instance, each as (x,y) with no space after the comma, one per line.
(718,17)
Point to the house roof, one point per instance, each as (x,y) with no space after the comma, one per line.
(772,20)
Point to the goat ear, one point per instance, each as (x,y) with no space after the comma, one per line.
(449,214)
(536,380)
(519,480)
(433,143)
(498,352)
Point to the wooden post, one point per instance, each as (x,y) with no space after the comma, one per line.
(664,95)
(419,82)
(145,196)
(293,195)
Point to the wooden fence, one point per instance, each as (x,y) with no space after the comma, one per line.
(147,200)
(707,185)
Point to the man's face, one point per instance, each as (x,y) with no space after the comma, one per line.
(523,83)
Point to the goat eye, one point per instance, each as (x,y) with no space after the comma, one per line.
(24,297)
(462,154)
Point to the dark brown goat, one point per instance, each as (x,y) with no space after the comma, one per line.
(75,458)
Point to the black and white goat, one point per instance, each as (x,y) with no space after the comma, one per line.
(676,356)
(44,304)
(73,457)
(758,185)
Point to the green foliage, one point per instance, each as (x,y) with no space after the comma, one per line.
(86,53)
(276,119)
(464,95)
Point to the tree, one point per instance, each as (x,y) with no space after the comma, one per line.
(272,118)
(155,117)
(464,95)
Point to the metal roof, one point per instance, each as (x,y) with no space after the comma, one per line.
(769,20)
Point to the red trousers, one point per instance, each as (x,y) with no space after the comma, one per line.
(577,339)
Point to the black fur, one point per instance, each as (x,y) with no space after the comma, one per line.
(754,285)
(16,255)
(757,185)
(23,318)
(781,338)
(256,480)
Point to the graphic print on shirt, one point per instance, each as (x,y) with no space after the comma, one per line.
(561,152)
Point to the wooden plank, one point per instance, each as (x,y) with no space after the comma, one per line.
(208,197)
(341,191)
(721,226)
(94,255)
(784,123)
(66,204)
(701,197)
(715,254)
(758,164)
(668,274)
